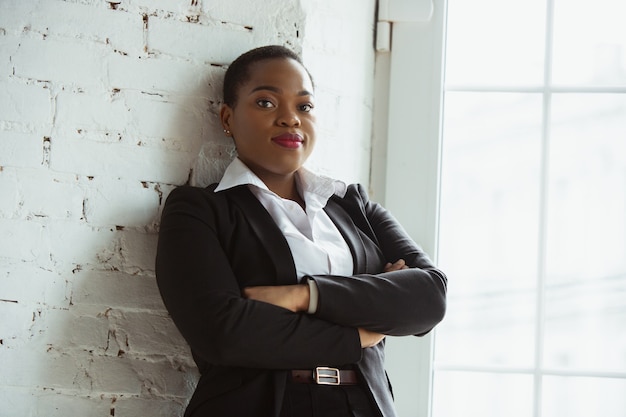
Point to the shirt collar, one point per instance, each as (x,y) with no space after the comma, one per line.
(238,173)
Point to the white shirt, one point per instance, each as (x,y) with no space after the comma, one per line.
(315,242)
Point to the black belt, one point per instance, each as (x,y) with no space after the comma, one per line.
(325,376)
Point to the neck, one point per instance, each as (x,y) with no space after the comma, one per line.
(284,186)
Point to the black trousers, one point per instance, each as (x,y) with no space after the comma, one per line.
(311,400)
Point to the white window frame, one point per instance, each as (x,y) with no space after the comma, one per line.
(406,156)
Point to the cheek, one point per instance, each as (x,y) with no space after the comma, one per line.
(310,125)
(311,146)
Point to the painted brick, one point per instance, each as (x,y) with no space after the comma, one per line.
(122,32)
(25,103)
(98,111)
(231,14)
(131,117)
(21,149)
(151,334)
(134,376)
(115,202)
(167,376)
(8,42)
(23,240)
(44,202)
(202,43)
(262,17)
(158,75)
(27,283)
(39,366)
(18,401)
(184,117)
(52,403)
(48,402)
(14,333)
(9,193)
(64,61)
(174,9)
(16,15)
(91,158)
(84,328)
(212,160)
(114,289)
(134,407)
(81,244)
(83,371)
(137,251)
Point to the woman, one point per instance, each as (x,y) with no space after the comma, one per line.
(284,283)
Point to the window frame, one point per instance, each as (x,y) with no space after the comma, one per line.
(407,144)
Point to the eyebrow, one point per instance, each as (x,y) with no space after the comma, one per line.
(278,90)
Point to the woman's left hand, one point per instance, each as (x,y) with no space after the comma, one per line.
(292,297)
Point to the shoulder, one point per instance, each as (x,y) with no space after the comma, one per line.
(357,203)
(190,194)
(356,191)
(193,201)
(204,201)
(356,195)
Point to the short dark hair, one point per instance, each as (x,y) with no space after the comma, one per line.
(238,71)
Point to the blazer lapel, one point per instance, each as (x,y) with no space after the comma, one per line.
(349,232)
(264,226)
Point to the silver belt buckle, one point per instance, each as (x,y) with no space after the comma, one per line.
(326,376)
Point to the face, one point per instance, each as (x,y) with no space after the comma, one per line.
(272,122)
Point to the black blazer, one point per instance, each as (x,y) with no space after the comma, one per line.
(211,245)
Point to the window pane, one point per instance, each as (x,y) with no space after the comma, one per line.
(583,397)
(590,42)
(488,235)
(586,264)
(495,42)
(482,394)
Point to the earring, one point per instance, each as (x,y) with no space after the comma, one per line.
(227,132)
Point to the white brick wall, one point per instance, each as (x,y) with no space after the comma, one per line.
(105,107)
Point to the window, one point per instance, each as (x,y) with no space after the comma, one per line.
(533,210)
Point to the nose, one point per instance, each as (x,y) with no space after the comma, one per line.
(288,118)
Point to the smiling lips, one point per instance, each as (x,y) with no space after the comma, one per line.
(288,140)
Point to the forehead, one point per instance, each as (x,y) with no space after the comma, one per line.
(283,73)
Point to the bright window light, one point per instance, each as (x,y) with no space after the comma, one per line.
(533,210)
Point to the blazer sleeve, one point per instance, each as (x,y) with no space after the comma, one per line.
(405,302)
(203,297)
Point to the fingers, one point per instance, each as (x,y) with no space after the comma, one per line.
(369,339)
(396,266)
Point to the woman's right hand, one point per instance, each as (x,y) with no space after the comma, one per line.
(396,266)
(369,339)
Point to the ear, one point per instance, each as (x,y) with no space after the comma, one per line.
(226,113)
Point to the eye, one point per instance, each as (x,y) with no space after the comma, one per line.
(307,107)
(265,103)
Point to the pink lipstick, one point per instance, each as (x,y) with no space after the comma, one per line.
(288,140)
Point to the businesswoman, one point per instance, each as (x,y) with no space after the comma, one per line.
(283,282)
